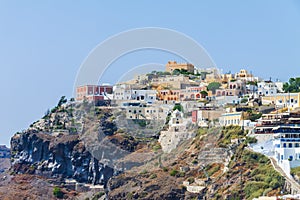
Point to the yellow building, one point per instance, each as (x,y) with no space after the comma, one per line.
(226,78)
(231,118)
(283,100)
(172,65)
(244,75)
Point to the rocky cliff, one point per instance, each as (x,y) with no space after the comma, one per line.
(76,141)
(53,147)
(93,145)
(208,166)
(56,157)
(4,158)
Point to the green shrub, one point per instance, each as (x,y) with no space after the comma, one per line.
(57,192)
(178,107)
(250,140)
(156,147)
(173,172)
(295,171)
(230,132)
(244,100)
(212,170)
(153,176)
(255,189)
(202,131)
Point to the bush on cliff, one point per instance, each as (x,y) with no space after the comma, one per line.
(57,192)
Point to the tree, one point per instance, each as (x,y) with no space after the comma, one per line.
(244,100)
(203,94)
(293,85)
(176,72)
(178,107)
(213,86)
(62,101)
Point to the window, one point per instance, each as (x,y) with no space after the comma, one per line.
(297,145)
(290,145)
(284,145)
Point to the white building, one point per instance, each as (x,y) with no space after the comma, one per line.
(287,146)
(124,92)
(279,86)
(177,132)
(156,112)
(223,100)
(251,90)
(266,88)
(149,112)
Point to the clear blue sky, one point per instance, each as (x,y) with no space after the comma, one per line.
(43,43)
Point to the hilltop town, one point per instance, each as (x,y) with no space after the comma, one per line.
(182,133)
(189,97)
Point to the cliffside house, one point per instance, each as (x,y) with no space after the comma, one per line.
(93,93)
(126,92)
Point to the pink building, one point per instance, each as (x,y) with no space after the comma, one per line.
(236,88)
(193,93)
(194,116)
(93,93)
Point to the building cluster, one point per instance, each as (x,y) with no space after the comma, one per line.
(208,98)
(279,136)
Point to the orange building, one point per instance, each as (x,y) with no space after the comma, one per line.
(93,92)
(168,95)
(172,65)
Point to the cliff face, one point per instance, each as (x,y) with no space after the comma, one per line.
(208,166)
(54,147)
(56,157)
(74,141)
(4,158)
(4,152)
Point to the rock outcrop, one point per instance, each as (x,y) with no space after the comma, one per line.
(4,158)
(56,157)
